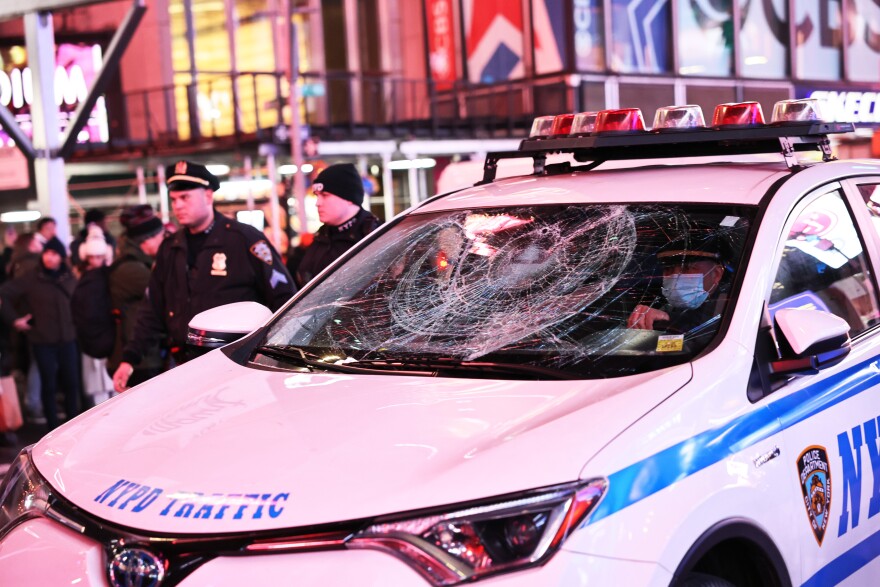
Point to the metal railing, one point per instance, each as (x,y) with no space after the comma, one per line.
(238,108)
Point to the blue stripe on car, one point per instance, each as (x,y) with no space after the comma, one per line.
(658,471)
(846,564)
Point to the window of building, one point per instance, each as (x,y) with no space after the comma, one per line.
(592,95)
(863,51)
(763,39)
(589,36)
(708,96)
(494,40)
(255,54)
(648,97)
(824,266)
(641,36)
(704,38)
(768,96)
(818,39)
(549,38)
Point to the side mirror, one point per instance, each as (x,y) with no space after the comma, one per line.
(219,326)
(809,340)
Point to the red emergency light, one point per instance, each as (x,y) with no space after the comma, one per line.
(621,120)
(739,114)
(561,125)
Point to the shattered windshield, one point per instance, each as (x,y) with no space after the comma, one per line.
(588,291)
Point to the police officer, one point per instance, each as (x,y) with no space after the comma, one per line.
(340,192)
(213,260)
(694,285)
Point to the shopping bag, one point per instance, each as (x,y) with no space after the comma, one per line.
(10,409)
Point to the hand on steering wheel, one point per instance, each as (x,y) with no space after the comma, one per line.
(645,318)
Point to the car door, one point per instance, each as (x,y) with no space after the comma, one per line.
(830,418)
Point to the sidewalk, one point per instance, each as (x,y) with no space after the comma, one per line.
(27,434)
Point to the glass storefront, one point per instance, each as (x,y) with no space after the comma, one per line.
(704,37)
(763,39)
(641,35)
(818,39)
(863,48)
(213,95)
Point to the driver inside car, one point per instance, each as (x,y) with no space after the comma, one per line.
(693,284)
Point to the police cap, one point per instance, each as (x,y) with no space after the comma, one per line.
(186,175)
(702,244)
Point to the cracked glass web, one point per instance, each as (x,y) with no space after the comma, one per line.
(543,285)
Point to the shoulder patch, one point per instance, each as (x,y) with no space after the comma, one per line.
(261,251)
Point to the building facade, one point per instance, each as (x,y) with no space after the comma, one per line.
(402,87)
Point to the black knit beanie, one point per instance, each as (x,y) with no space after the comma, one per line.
(343,180)
(56,245)
(140,222)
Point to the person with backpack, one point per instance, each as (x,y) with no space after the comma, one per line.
(129,279)
(93,315)
(38,304)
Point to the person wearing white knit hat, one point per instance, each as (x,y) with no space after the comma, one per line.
(94,251)
(95,254)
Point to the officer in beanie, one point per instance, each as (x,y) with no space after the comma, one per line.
(129,279)
(340,192)
(211,261)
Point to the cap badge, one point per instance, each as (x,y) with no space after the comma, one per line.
(218,266)
(180,168)
(317,187)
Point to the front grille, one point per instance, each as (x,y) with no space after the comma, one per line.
(185,553)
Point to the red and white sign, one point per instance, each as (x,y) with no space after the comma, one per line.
(441,42)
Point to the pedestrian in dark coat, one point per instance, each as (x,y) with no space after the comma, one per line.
(48,323)
(25,256)
(129,279)
(340,192)
(213,260)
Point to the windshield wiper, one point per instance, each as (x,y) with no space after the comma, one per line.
(451,364)
(312,361)
(425,366)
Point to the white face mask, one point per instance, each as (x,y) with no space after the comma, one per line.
(685,290)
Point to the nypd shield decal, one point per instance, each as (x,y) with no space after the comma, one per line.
(815,480)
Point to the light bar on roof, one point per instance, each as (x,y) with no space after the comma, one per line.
(676,118)
(542,127)
(807,110)
(584,123)
(561,125)
(621,120)
(738,114)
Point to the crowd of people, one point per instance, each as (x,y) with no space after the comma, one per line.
(111,311)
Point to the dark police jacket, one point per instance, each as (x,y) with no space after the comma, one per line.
(236,264)
(331,242)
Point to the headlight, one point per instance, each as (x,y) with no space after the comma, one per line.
(22,493)
(468,543)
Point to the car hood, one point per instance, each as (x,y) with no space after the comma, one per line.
(213,446)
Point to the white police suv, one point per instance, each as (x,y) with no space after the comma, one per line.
(656,362)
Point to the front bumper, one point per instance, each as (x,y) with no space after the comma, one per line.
(42,552)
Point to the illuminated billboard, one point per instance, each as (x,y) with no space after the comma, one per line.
(76,67)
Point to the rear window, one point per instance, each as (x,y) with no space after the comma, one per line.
(553,287)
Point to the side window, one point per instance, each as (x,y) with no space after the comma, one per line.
(824,266)
(871,194)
